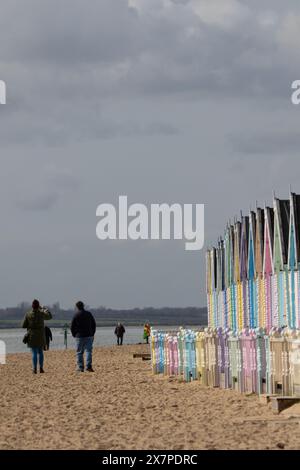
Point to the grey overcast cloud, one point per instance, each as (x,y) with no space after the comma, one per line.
(184,101)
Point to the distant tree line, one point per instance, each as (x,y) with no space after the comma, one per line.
(107,316)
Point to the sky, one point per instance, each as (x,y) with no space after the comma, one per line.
(175,101)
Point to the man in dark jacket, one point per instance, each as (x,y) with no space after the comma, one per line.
(119,332)
(83,329)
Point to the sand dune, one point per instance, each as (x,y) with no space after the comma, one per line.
(123,406)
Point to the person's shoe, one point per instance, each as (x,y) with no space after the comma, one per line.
(90,369)
(42,370)
(34,371)
(79,370)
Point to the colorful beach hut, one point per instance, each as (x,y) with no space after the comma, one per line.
(252,272)
(268,264)
(280,253)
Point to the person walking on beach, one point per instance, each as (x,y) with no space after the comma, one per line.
(119,332)
(147,330)
(35,337)
(48,334)
(83,328)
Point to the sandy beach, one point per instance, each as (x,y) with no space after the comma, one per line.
(124,406)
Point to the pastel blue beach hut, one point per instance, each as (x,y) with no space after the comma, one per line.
(251,271)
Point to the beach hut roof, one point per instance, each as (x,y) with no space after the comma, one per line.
(293,243)
(268,240)
(281,231)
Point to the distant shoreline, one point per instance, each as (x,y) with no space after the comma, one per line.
(13,317)
(10,325)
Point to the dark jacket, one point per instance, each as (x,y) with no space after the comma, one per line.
(120,330)
(48,334)
(34,322)
(83,325)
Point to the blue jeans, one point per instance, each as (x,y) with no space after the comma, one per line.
(37,353)
(84,344)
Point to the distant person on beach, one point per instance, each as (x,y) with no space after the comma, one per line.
(83,328)
(147,329)
(65,332)
(48,334)
(119,332)
(35,337)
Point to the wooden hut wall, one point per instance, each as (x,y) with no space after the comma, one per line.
(237,244)
(244,248)
(251,272)
(259,241)
(251,246)
(268,241)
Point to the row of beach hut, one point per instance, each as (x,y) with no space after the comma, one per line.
(252,342)
(252,274)
(250,361)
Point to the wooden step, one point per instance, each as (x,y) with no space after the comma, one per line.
(146,358)
(142,355)
(281,403)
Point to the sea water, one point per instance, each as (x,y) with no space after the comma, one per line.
(105,336)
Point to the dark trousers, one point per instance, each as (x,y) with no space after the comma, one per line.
(37,356)
(120,340)
(84,344)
